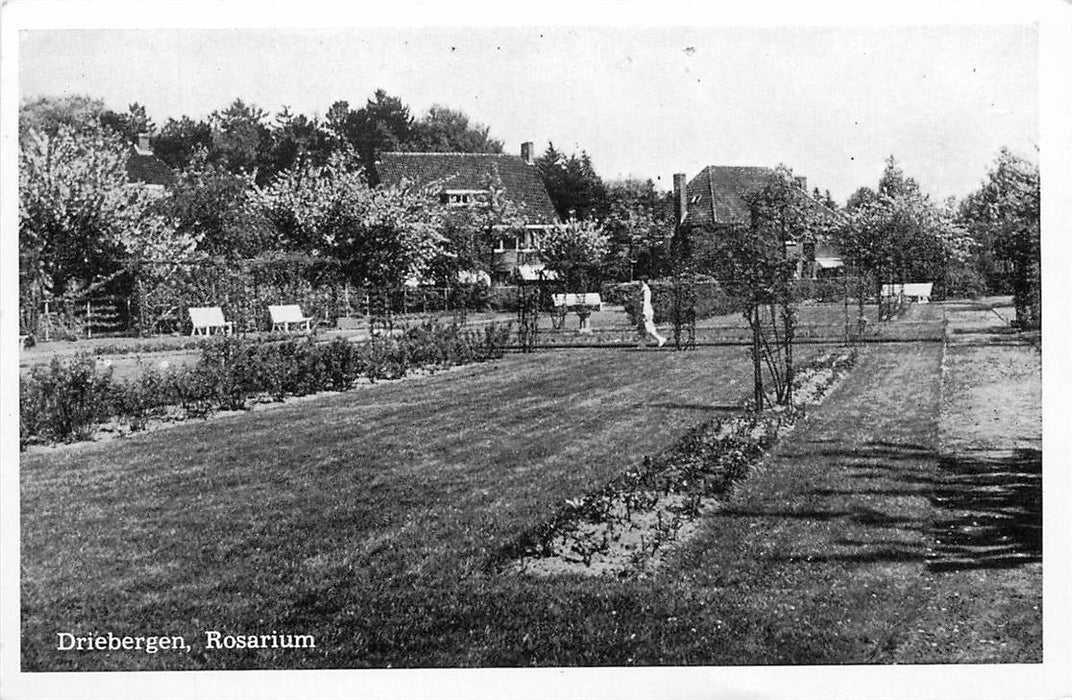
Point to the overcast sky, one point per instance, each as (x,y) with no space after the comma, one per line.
(829,102)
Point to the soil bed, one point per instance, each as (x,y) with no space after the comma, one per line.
(628,526)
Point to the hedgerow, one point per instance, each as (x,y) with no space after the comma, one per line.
(711,299)
(68,401)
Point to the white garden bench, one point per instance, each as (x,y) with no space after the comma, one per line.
(205,318)
(583,304)
(572,302)
(916,291)
(284,315)
(919,291)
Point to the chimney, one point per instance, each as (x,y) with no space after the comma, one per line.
(143,145)
(527,154)
(681,202)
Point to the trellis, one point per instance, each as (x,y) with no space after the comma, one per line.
(683,315)
(529,300)
(165,290)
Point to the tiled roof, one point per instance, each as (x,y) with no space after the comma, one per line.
(717,194)
(148,169)
(469,171)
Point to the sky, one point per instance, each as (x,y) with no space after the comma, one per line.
(830,102)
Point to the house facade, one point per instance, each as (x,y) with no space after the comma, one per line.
(716,199)
(462,180)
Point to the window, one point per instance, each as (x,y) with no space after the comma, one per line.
(460,198)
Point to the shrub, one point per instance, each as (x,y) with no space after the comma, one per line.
(963,282)
(618,293)
(474,297)
(825,289)
(64,401)
(502,299)
(227,366)
(496,338)
(711,299)
(195,390)
(342,364)
(138,400)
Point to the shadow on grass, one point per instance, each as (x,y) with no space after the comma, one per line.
(985,507)
(989,511)
(716,408)
(989,330)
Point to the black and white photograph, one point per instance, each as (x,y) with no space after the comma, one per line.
(598,350)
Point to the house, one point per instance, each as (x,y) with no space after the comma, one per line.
(462,179)
(145,168)
(716,199)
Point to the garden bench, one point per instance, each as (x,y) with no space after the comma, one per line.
(205,318)
(573,302)
(286,314)
(916,291)
(583,304)
(919,291)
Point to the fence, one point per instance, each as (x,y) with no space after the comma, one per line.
(95,317)
(158,309)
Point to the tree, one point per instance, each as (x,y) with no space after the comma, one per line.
(471,232)
(761,273)
(638,230)
(1003,216)
(81,223)
(296,137)
(572,183)
(46,114)
(446,130)
(180,139)
(862,196)
(219,209)
(129,125)
(240,138)
(382,236)
(574,251)
(383,124)
(897,234)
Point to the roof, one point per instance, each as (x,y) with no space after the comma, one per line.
(148,169)
(717,194)
(469,171)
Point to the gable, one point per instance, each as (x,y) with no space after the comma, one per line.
(469,172)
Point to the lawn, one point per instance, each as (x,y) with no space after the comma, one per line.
(128,357)
(373,520)
(368,519)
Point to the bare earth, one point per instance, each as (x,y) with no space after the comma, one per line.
(986,581)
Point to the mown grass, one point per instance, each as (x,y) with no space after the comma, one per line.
(372,520)
(367,519)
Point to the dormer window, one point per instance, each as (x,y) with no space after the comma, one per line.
(460,198)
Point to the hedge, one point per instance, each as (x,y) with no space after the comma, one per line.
(67,401)
(711,299)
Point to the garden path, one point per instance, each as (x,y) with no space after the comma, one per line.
(869,538)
